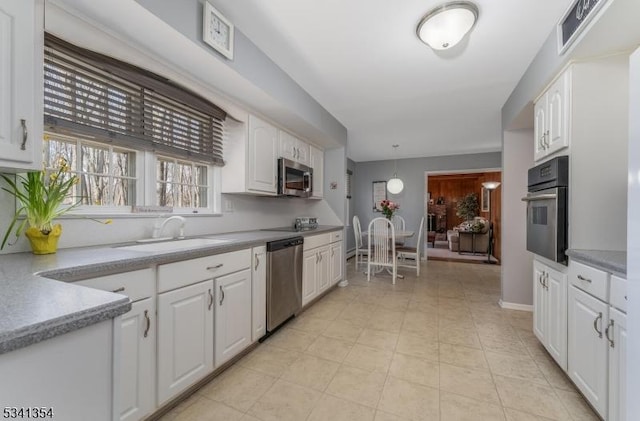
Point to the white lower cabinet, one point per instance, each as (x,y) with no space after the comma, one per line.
(617,336)
(310,261)
(185,338)
(321,264)
(259,293)
(232,315)
(336,262)
(324,269)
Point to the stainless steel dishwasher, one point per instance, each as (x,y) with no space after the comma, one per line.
(284,280)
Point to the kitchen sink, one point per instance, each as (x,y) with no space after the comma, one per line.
(175,245)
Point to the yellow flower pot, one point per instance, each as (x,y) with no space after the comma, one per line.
(44,243)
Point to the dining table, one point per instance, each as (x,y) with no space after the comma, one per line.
(397,234)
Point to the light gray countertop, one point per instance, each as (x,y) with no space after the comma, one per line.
(609,261)
(35,305)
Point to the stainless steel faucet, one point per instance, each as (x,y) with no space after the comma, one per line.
(160,224)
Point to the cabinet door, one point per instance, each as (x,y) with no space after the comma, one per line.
(137,361)
(539,303)
(302,152)
(287,145)
(259,293)
(262,170)
(588,359)
(324,269)
(540,127)
(316,161)
(233,315)
(617,365)
(557,316)
(185,338)
(336,262)
(21,81)
(558,114)
(310,261)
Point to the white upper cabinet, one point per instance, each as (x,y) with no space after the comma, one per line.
(262,156)
(293,148)
(552,117)
(21,81)
(316,162)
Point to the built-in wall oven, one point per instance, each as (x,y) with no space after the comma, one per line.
(547,224)
(294,179)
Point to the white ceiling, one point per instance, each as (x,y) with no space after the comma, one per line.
(362,61)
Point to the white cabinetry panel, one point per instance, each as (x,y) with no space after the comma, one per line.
(233,315)
(617,334)
(262,163)
(259,293)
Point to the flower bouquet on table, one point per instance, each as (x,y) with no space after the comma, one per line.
(389,208)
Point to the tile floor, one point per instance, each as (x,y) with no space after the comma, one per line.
(437,347)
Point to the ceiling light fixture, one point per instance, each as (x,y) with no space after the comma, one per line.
(395,185)
(446,25)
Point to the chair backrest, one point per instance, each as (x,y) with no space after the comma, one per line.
(419,243)
(357,231)
(398,222)
(381,241)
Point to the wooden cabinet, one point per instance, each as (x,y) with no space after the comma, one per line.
(293,148)
(259,293)
(316,162)
(551,118)
(550,310)
(262,156)
(336,262)
(617,336)
(21,81)
(588,358)
(232,315)
(185,338)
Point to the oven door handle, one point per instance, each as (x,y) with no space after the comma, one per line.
(539,197)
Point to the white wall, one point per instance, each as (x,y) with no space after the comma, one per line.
(517,158)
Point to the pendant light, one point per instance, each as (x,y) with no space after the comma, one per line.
(446,25)
(395,185)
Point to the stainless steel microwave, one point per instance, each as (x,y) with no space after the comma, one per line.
(294,179)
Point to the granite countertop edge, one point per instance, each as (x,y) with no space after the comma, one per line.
(23,275)
(606,260)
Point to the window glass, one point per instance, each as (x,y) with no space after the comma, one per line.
(181,184)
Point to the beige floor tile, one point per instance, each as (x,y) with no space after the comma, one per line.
(335,409)
(357,385)
(329,348)
(388,320)
(378,339)
(530,397)
(385,416)
(418,346)
(311,371)
(309,324)
(291,339)
(446,324)
(357,314)
(460,408)
(285,402)
(429,306)
(204,409)
(415,370)
(477,384)
(514,415)
(240,389)
(395,301)
(342,330)
(420,327)
(556,377)
(326,310)
(173,413)
(517,366)
(368,358)
(247,417)
(464,337)
(503,345)
(577,406)
(269,360)
(462,356)
(410,400)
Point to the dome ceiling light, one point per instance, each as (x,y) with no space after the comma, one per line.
(446,25)
(395,185)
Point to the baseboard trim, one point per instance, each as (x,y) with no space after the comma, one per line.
(515,306)
(351,253)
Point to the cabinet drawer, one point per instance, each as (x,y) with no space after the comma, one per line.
(136,285)
(589,279)
(336,236)
(618,297)
(179,274)
(316,241)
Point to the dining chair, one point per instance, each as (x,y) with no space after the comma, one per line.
(399,225)
(361,251)
(382,248)
(405,253)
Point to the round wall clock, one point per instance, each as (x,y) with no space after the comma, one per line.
(217,31)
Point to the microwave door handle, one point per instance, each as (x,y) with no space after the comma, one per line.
(307,181)
(539,197)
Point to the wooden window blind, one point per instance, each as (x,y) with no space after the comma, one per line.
(106,100)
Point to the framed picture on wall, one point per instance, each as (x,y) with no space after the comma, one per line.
(379,194)
(485,204)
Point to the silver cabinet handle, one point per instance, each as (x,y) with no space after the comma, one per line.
(606,332)
(210,299)
(25,134)
(546,280)
(539,197)
(317,257)
(333,252)
(118,289)
(595,324)
(218,266)
(257,262)
(221,294)
(148,321)
(582,278)
(546,140)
